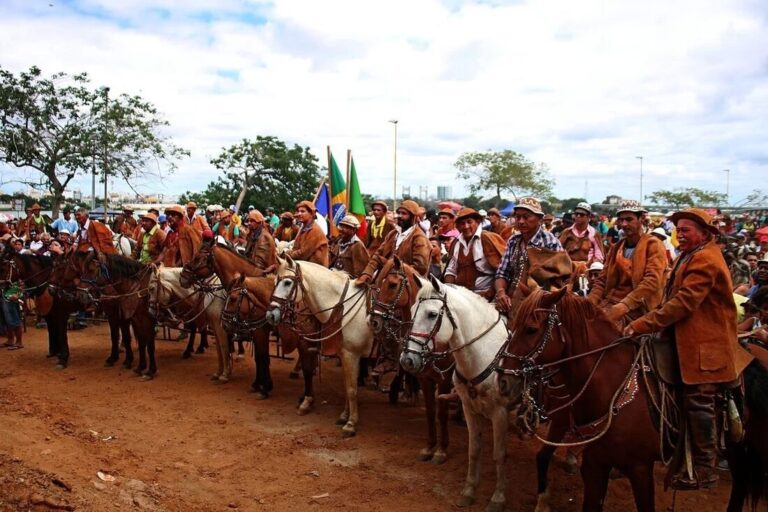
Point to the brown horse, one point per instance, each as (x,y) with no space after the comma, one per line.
(223,261)
(612,397)
(120,283)
(394,292)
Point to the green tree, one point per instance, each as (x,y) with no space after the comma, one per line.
(685,197)
(61,127)
(504,171)
(569,204)
(263,172)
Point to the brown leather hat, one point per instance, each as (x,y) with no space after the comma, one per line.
(469,213)
(286,215)
(191,204)
(175,208)
(410,206)
(149,216)
(697,215)
(255,215)
(448,212)
(309,205)
(379,203)
(494,211)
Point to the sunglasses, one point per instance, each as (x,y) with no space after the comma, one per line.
(579,214)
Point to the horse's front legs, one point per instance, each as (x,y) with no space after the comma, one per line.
(428,453)
(500,422)
(351,368)
(125,331)
(474,432)
(262,384)
(641,478)
(308,363)
(441,455)
(556,433)
(595,476)
(114,336)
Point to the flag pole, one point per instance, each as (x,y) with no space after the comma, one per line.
(319,188)
(349,159)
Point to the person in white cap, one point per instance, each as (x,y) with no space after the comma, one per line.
(348,252)
(632,282)
(581,241)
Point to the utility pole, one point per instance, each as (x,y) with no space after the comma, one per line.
(641,178)
(106,156)
(727,186)
(394,184)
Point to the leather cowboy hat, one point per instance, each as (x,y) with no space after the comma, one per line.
(410,206)
(192,204)
(697,215)
(493,211)
(286,215)
(379,203)
(175,208)
(150,216)
(448,212)
(255,215)
(309,205)
(468,213)
(351,221)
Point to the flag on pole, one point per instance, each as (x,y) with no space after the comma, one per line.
(356,204)
(322,199)
(338,192)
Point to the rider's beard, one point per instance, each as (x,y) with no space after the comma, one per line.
(405,224)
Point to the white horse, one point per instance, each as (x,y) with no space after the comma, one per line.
(321,289)
(123,244)
(187,305)
(455,320)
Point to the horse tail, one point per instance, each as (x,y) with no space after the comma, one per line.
(756,448)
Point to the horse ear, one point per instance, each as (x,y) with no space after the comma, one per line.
(398,263)
(289,261)
(419,281)
(554,297)
(524,288)
(436,284)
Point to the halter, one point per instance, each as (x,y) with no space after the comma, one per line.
(391,323)
(287,305)
(28,290)
(242,327)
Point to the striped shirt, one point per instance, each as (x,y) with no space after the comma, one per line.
(516,247)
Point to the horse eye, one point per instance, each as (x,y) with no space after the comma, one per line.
(391,285)
(531,329)
(432,314)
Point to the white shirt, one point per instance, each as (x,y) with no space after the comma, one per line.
(403,235)
(487,273)
(82,233)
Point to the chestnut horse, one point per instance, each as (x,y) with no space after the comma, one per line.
(393,294)
(218,258)
(613,402)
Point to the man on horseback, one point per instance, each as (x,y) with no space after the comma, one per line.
(182,243)
(475,255)
(193,219)
(125,224)
(260,246)
(698,309)
(348,253)
(286,231)
(631,282)
(581,241)
(497,225)
(227,228)
(514,264)
(379,228)
(411,245)
(92,235)
(310,244)
(35,225)
(149,246)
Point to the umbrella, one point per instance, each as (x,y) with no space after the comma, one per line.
(453,205)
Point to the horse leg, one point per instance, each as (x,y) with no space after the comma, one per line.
(500,428)
(262,385)
(125,329)
(203,340)
(190,341)
(58,319)
(595,478)
(240,349)
(53,339)
(441,454)
(429,404)
(737,465)
(142,343)
(544,457)
(641,478)
(114,337)
(395,387)
(308,362)
(474,432)
(351,367)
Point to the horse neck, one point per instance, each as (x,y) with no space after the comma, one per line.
(472,321)
(261,288)
(35,273)
(610,373)
(322,292)
(228,266)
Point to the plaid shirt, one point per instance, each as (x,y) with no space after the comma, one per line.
(515,249)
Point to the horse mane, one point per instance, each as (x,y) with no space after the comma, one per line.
(123,267)
(231,249)
(26,259)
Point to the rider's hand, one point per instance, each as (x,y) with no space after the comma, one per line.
(363,279)
(629,330)
(503,301)
(617,312)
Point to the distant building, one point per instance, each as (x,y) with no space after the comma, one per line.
(444,193)
(614,200)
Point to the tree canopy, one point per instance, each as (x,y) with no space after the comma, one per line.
(505,170)
(265,172)
(686,197)
(62,127)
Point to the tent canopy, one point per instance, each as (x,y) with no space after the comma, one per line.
(508,210)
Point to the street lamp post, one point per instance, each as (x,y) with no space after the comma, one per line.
(394,185)
(641,178)
(106,156)
(727,186)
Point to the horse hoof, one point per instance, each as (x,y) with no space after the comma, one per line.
(341,421)
(439,458)
(215,376)
(222,379)
(138,370)
(348,430)
(260,395)
(426,455)
(60,366)
(200,350)
(306,406)
(494,506)
(146,377)
(109,363)
(465,501)
(127,366)
(186,355)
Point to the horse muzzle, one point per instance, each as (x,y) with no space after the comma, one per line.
(376,323)
(412,362)
(510,386)
(273,314)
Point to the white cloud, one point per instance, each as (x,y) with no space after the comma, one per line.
(582,86)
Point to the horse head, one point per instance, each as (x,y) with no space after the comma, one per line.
(288,289)
(394,292)
(200,267)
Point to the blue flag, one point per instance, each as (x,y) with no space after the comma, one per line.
(323,200)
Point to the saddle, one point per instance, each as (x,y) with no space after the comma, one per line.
(663,359)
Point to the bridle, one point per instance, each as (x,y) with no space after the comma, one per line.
(287,305)
(385,314)
(242,327)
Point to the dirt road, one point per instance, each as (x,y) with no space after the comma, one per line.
(182,443)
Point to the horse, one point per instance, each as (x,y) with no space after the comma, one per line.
(449,320)
(394,292)
(217,258)
(35,272)
(326,295)
(123,244)
(169,300)
(123,282)
(615,410)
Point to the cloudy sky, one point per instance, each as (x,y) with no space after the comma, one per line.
(584,87)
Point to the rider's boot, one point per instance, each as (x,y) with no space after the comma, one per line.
(699,408)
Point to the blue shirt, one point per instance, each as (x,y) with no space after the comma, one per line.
(70,225)
(542,239)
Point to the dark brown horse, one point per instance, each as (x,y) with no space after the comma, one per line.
(121,283)
(225,262)
(394,293)
(612,397)
(35,273)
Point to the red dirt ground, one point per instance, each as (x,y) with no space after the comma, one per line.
(182,443)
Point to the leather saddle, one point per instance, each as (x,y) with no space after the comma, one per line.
(664,359)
